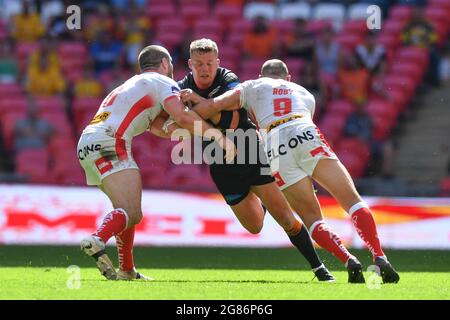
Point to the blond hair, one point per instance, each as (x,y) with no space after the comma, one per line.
(203,46)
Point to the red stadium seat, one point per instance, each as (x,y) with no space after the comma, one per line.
(73,176)
(227,14)
(209,25)
(72,48)
(382,127)
(354,146)
(444,187)
(349,41)
(413,54)
(283,26)
(230,53)
(407,68)
(10,90)
(389,41)
(23,51)
(160,11)
(400,13)
(242,26)
(295,65)
(230,64)
(435,13)
(343,107)
(169,39)
(354,164)
(15,104)
(84,108)
(59,122)
(50,104)
(379,107)
(253,66)
(331,125)
(392,27)
(8,123)
(407,84)
(61,145)
(356,27)
(34,164)
(180,73)
(192,12)
(170,26)
(318,26)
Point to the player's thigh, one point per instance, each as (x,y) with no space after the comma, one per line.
(276,204)
(250,213)
(302,198)
(124,189)
(334,177)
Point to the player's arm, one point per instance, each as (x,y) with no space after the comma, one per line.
(157,127)
(186,119)
(228,101)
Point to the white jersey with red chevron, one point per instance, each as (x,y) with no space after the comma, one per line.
(270,100)
(130,108)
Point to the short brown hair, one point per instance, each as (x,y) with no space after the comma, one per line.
(151,57)
(274,68)
(203,46)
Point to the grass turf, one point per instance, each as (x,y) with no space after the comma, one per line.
(40,272)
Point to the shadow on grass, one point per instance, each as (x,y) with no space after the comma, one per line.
(217,258)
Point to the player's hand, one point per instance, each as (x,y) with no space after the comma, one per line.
(229,147)
(189,96)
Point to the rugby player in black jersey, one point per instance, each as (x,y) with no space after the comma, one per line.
(241,184)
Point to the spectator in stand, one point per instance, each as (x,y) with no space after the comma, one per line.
(115,78)
(327,53)
(260,41)
(300,43)
(360,125)
(310,82)
(8,63)
(106,53)
(353,81)
(51,9)
(126,4)
(47,47)
(420,33)
(32,131)
(136,27)
(372,55)
(88,86)
(45,79)
(444,66)
(27,26)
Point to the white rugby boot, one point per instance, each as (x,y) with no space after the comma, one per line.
(95,247)
(132,275)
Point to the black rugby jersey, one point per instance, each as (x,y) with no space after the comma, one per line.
(225,80)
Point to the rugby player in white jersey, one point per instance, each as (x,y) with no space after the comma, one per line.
(104,152)
(299,154)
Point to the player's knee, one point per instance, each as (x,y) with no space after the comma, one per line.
(134,217)
(254,228)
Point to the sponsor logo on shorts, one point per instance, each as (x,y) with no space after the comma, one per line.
(103,165)
(101,117)
(82,153)
(292,144)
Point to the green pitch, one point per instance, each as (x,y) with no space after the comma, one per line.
(214,273)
